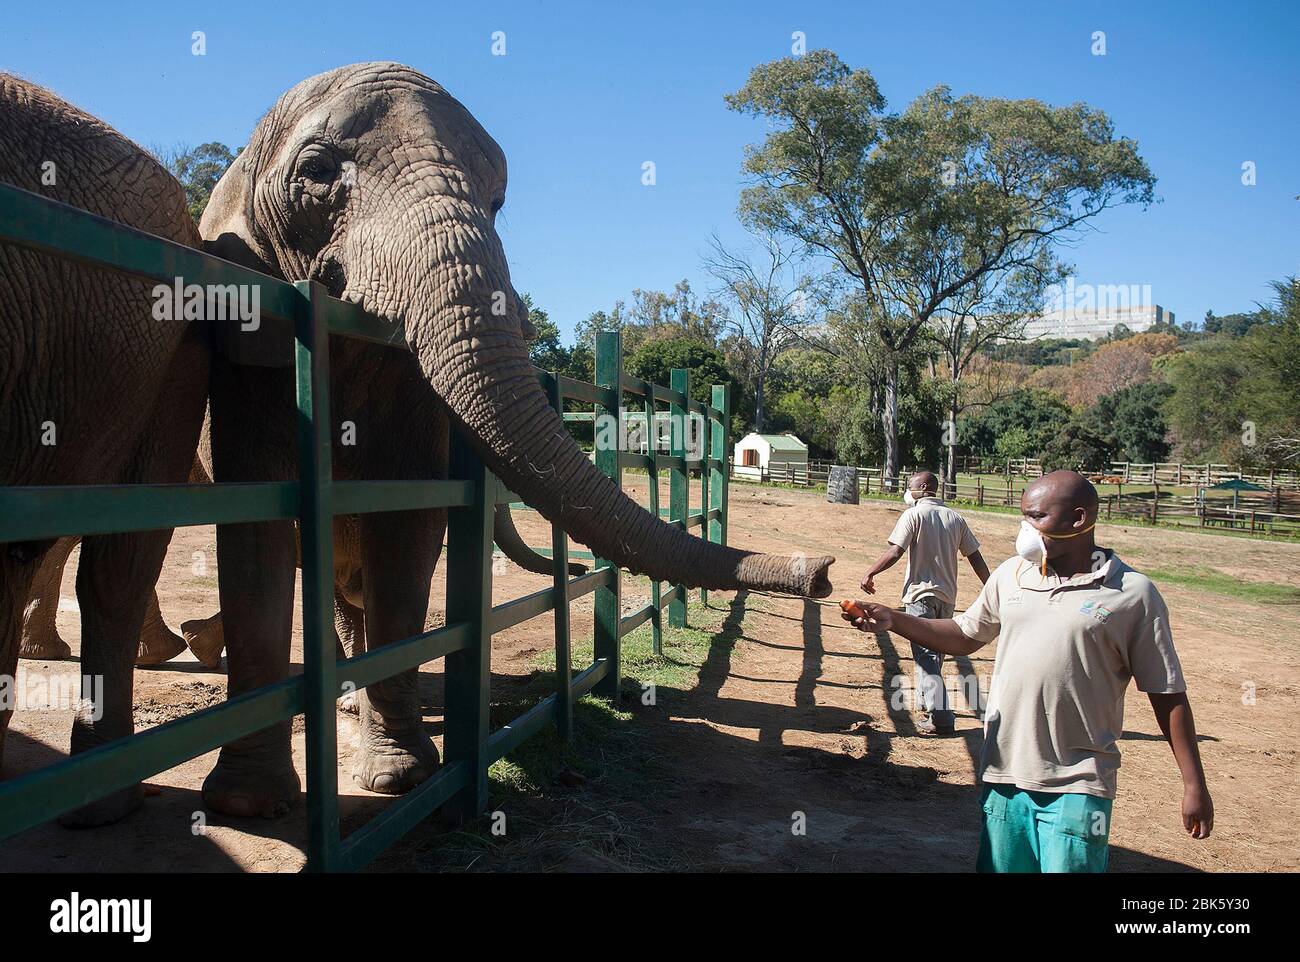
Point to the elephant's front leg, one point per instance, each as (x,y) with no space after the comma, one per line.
(253,440)
(399,552)
(254,775)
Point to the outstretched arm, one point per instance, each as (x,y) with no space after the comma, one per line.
(978,566)
(1174,716)
(937,634)
(887,560)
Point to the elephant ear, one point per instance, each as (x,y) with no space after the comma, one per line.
(227,233)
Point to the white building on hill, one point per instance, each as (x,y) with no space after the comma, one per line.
(1095,323)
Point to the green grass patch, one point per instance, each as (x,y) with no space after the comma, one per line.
(583,805)
(1216,582)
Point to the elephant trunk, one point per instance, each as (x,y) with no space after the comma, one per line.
(479,366)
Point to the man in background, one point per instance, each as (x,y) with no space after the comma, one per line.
(933,535)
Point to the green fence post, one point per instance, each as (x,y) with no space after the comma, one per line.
(704,446)
(315,515)
(608,438)
(652,474)
(718,443)
(679,492)
(560,580)
(469,600)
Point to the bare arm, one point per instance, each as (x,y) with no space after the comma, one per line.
(1174,716)
(937,634)
(887,560)
(979,566)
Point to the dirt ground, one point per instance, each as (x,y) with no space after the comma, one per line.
(788,725)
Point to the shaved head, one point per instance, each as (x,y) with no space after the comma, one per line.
(924,481)
(1065,489)
(1062,505)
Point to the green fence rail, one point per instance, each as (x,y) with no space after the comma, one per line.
(471,494)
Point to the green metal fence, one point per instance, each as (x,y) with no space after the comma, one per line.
(471,494)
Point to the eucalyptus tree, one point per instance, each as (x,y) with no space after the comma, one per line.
(914,209)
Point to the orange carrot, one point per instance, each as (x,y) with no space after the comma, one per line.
(852,608)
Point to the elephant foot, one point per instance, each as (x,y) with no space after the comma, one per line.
(394,764)
(349,703)
(158,645)
(105,811)
(248,791)
(206,637)
(49,648)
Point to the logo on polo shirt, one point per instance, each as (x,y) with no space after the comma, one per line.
(1098,611)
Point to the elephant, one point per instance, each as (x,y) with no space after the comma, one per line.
(93,390)
(376,183)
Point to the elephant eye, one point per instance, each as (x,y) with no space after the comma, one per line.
(318,167)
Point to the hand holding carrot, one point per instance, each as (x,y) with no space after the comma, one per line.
(866,615)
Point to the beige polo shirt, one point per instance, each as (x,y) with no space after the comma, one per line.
(1066,651)
(933,535)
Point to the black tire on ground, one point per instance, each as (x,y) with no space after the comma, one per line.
(842,485)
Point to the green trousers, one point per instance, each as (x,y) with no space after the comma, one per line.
(1042,831)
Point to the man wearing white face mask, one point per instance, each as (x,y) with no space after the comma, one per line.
(1074,624)
(932,535)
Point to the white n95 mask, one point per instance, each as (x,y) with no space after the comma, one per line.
(1031,544)
(908,497)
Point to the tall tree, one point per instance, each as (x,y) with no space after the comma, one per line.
(771,303)
(916,208)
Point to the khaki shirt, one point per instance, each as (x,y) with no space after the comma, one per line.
(1066,651)
(933,534)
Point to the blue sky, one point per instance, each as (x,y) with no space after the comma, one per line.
(588,91)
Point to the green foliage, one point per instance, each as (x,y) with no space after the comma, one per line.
(1043,352)
(1019,425)
(1077,446)
(654,361)
(549,354)
(1015,443)
(656,314)
(1234,325)
(813,170)
(198,170)
(1208,401)
(1134,420)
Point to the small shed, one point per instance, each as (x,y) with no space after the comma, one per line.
(760,456)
